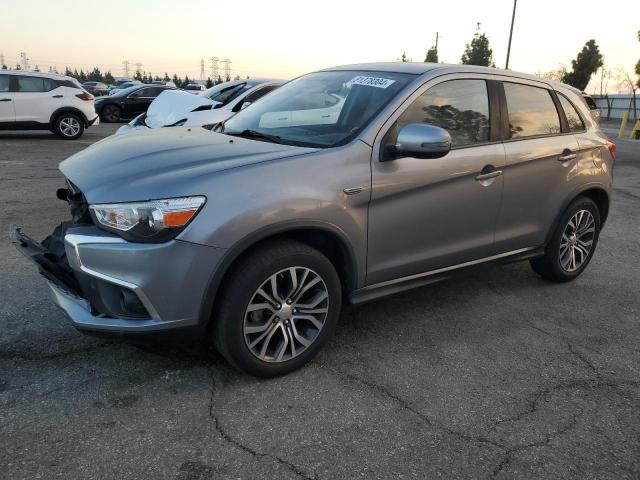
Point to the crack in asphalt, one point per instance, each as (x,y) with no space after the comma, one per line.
(224,434)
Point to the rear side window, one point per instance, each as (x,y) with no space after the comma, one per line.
(35,84)
(573,118)
(459,106)
(531,111)
(4,83)
(590,102)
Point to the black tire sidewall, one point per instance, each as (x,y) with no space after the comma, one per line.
(229,336)
(58,130)
(114,108)
(553,248)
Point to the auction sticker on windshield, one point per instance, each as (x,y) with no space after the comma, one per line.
(371,81)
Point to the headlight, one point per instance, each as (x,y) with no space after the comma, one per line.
(153,221)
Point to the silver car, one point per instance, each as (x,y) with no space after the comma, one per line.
(344,185)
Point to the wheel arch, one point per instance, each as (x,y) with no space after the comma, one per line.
(62,110)
(330,240)
(595,192)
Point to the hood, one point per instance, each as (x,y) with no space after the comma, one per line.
(172,106)
(161,163)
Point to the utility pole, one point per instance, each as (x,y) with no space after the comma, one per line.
(126,65)
(227,69)
(214,69)
(24,60)
(513,17)
(437,36)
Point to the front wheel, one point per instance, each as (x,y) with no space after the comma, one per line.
(279,307)
(572,244)
(111,113)
(68,126)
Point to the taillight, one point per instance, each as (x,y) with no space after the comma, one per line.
(613,150)
(85,96)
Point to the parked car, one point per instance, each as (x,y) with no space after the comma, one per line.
(45,101)
(215,105)
(117,86)
(194,88)
(255,234)
(128,103)
(97,89)
(168,83)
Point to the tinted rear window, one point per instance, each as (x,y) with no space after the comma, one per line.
(573,117)
(531,111)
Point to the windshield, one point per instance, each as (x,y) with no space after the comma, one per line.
(322,109)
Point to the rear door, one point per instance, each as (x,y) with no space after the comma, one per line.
(36,98)
(7,112)
(141,99)
(540,158)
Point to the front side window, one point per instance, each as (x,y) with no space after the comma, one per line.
(531,111)
(35,84)
(573,118)
(459,106)
(4,83)
(322,109)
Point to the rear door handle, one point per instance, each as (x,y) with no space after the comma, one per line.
(5,99)
(566,155)
(489,175)
(58,96)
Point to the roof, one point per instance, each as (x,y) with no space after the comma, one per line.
(56,76)
(420,68)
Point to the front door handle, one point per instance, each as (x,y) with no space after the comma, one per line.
(58,96)
(5,99)
(566,155)
(487,173)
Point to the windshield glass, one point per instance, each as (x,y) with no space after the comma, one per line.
(226,92)
(126,91)
(322,109)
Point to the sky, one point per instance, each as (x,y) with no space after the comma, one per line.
(282,38)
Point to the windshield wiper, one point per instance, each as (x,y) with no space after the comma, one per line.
(255,134)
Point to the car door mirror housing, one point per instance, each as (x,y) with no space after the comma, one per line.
(422,141)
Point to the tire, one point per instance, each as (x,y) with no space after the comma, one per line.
(244,315)
(68,126)
(111,113)
(572,243)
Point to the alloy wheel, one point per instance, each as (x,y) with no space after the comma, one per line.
(286,314)
(69,126)
(577,240)
(111,114)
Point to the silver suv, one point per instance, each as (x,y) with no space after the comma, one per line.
(344,185)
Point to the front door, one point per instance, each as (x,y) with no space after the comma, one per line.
(427,214)
(36,98)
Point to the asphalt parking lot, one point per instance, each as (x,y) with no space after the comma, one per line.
(493,375)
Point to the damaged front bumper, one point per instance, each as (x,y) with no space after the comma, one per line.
(105,284)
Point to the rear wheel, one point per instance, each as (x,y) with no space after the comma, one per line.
(572,244)
(111,113)
(279,306)
(68,126)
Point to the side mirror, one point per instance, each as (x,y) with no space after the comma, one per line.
(422,141)
(245,105)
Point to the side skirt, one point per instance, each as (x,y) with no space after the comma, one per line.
(397,285)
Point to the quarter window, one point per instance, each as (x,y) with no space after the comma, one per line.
(459,106)
(573,117)
(531,111)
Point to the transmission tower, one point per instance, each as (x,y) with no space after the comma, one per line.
(24,60)
(214,68)
(202,69)
(126,64)
(227,69)
(138,68)
(1,60)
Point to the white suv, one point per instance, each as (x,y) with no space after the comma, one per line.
(43,101)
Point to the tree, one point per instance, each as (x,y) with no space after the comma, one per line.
(209,83)
(432,55)
(176,81)
(588,61)
(37,69)
(186,81)
(556,75)
(18,66)
(166,77)
(95,75)
(4,67)
(403,57)
(219,80)
(137,75)
(82,77)
(478,51)
(108,78)
(638,65)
